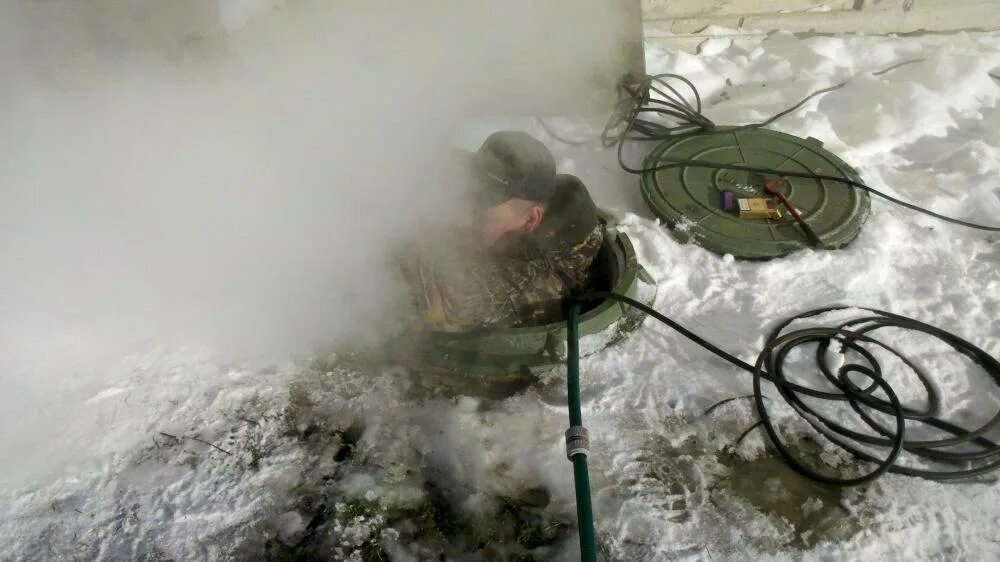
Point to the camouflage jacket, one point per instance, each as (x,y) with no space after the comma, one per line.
(464,291)
(521,280)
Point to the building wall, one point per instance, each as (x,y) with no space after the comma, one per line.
(683,23)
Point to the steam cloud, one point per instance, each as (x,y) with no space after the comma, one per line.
(237,174)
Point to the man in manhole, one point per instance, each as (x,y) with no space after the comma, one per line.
(532,237)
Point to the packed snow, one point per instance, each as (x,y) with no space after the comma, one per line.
(342,455)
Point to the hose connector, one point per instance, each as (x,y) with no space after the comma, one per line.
(577,441)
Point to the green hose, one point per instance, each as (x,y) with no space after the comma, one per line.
(576,439)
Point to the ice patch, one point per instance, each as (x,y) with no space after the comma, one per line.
(106,393)
(714,46)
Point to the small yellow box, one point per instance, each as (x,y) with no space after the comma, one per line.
(759,208)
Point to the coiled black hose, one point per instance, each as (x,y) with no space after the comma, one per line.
(969,451)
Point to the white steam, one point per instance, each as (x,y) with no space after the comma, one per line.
(237,175)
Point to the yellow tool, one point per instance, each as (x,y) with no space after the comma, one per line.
(758,208)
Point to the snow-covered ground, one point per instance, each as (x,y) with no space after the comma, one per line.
(342,457)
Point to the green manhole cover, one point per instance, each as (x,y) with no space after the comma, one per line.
(690,199)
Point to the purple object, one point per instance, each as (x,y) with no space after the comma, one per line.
(728,201)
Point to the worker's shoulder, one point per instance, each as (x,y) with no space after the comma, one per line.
(570,215)
(571,197)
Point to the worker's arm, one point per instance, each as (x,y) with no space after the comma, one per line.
(458,290)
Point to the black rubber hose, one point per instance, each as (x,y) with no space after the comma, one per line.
(968,451)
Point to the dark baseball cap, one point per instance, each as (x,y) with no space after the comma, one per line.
(509,165)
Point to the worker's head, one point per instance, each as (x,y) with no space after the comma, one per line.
(514,179)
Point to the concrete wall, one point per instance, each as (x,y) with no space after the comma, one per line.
(683,23)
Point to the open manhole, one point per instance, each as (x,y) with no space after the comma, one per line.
(503,359)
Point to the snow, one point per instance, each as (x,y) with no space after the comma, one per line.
(187,458)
